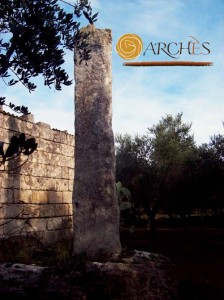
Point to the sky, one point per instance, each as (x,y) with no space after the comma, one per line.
(143,95)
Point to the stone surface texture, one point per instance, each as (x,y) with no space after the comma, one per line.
(142,276)
(39,194)
(96,217)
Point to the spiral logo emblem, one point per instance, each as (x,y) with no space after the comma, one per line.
(129,46)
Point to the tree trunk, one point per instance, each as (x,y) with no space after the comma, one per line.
(152,220)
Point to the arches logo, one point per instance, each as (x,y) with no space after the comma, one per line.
(129,46)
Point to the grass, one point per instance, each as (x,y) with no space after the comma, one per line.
(196,251)
(30,251)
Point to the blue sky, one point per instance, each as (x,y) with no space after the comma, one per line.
(141,96)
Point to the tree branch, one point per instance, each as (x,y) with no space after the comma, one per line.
(67,3)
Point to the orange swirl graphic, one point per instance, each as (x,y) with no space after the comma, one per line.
(129,46)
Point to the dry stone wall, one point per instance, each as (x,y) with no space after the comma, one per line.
(37,198)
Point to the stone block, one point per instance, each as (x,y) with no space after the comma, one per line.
(69,162)
(71,140)
(1,117)
(42,145)
(6,196)
(52,147)
(57,136)
(14,124)
(22,196)
(5,118)
(29,128)
(56,160)
(4,135)
(47,210)
(61,210)
(7,181)
(14,164)
(44,157)
(22,182)
(47,134)
(16,181)
(39,224)
(55,197)
(27,168)
(54,223)
(53,236)
(70,209)
(67,197)
(12,210)
(21,211)
(61,185)
(28,182)
(59,223)
(65,172)
(40,197)
(1,213)
(29,118)
(64,139)
(71,185)
(67,150)
(43,126)
(16,227)
(50,184)
(40,183)
(39,170)
(54,172)
(35,132)
(34,169)
(31,211)
(71,173)
(50,237)
(33,158)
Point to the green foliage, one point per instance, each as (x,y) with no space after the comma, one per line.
(34,35)
(166,171)
(127,213)
(18,109)
(124,196)
(122,192)
(132,164)
(132,150)
(217,146)
(171,142)
(209,175)
(173,151)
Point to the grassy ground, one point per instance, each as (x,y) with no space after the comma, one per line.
(31,251)
(197,253)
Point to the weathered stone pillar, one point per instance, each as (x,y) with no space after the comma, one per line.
(96,211)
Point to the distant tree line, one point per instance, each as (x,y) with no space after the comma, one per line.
(167,172)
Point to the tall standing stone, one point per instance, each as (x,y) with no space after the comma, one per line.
(96,211)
